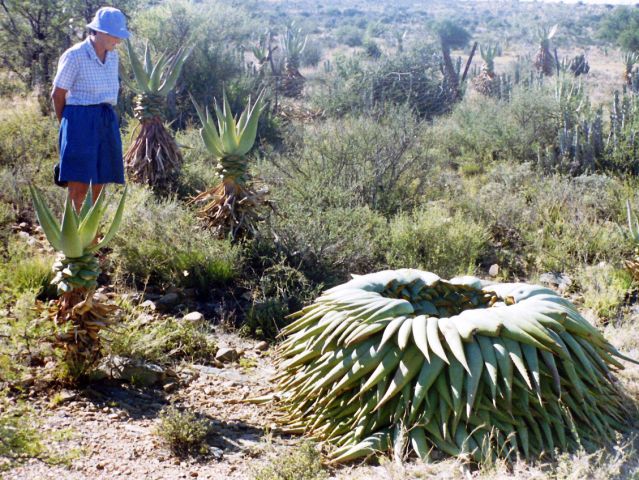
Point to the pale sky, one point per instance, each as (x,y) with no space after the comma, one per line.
(594,2)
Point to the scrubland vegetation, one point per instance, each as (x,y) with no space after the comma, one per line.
(377,150)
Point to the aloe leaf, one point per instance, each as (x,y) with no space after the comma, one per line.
(115,224)
(47,221)
(71,244)
(141,77)
(90,223)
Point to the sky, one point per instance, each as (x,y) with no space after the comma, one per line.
(596,2)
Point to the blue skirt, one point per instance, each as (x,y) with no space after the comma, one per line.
(90,145)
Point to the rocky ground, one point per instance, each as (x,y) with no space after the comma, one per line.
(108,431)
(108,428)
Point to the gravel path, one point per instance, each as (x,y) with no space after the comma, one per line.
(109,428)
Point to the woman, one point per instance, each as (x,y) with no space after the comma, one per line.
(85,89)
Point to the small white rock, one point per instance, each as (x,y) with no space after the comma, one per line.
(493,271)
(193,317)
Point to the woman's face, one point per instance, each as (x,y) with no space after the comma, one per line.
(107,41)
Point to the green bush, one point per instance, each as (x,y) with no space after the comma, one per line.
(27,136)
(160,341)
(574,224)
(183,431)
(412,78)
(327,243)
(371,160)
(436,240)
(481,130)
(604,288)
(312,54)
(350,35)
(7,218)
(301,463)
(162,242)
(280,290)
(371,48)
(19,439)
(23,269)
(198,171)
(25,337)
(11,85)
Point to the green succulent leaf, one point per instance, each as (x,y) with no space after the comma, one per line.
(513,370)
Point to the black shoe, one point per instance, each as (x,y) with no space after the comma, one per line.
(56,176)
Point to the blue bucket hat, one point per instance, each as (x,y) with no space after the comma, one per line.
(111,21)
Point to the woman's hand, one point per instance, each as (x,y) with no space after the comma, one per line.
(59,99)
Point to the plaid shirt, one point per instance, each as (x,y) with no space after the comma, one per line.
(87,79)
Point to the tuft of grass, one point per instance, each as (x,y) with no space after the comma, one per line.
(21,437)
(26,134)
(183,431)
(604,288)
(19,440)
(160,241)
(247,363)
(280,290)
(161,340)
(7,217)
(24,339)
(436,240)
(301,463)
(24,270)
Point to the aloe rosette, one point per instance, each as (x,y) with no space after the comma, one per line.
(405,361)
(78,316)
(293,44)
(153,156)
(232,206)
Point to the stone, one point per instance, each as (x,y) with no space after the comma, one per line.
(217,453)
(100,297)
(493,271)
(262,346)
(150,304)
(170,387)
(193,317)
(168,301)
(137,372)
(65,396)
(560,281)
(226,355)
(145,318)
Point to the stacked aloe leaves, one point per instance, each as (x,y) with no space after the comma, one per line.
(232,207)
(154,157)
(77,315)
(404,361)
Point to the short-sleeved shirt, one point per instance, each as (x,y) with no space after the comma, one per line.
(87,79)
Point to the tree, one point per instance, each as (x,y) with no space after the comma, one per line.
(451,36)
(622,27)
(33,34)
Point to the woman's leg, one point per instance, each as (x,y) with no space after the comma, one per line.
(78,192)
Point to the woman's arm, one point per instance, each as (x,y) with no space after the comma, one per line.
(59,98)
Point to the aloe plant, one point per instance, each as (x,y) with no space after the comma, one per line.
(486,83)
(406,361)
(78,317)
(293,44)
(153,157)
(232,206)
(544,61)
